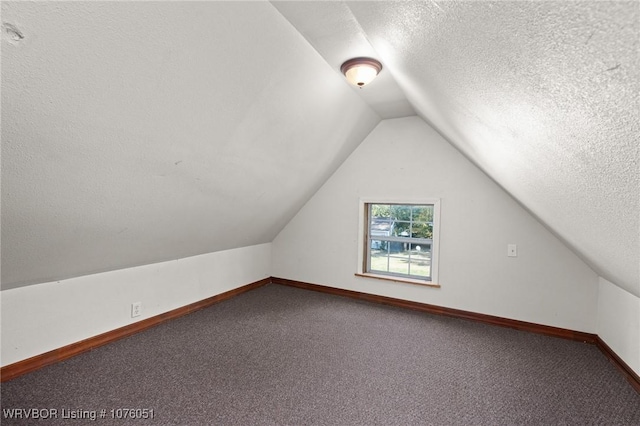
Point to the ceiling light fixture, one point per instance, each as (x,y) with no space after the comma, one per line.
(360,71)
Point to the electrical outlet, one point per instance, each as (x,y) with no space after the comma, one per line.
(136,309)
(512,250)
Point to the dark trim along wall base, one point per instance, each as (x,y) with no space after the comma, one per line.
(28,365)
(439,310)
(624,368)
(626,371)
(39,361)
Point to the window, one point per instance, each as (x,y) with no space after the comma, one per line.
(400,241)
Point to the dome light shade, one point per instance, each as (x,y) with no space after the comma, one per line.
(361,71)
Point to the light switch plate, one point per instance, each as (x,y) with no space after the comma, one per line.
(512,250)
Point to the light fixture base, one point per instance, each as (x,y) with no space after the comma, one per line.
(361,71)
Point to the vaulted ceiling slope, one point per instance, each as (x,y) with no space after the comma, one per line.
(543,96)
(136,132)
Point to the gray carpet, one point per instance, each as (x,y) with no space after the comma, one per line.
(280,355)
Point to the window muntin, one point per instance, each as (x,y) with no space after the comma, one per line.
(399,240)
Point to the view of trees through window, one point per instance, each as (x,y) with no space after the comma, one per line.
(400,239)
(404,216)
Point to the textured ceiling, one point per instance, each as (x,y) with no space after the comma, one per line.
(333,31)
(138,132)
(543,96)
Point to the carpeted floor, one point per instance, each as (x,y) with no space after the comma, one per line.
(280,355)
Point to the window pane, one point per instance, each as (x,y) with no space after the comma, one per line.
(422,230)
(399,257)
(405,223)
(380,210)
(381,227)
(401,212)
(401,229)
(422,213)
(379,245)
(379,256)
(421,260)
(421,269)
(399,265)
(398,249)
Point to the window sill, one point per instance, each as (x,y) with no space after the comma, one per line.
(398,280)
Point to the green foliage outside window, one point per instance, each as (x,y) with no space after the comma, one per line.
(410,221)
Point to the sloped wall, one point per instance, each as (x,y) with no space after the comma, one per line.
(619,322)
(406,159)
(43,317)
(139,132)
(542,96)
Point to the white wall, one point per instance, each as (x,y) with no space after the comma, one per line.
(164,146)
(542,113)
(619,322)
(405,158)
(43,317)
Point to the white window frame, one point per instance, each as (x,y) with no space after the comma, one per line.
(363,224)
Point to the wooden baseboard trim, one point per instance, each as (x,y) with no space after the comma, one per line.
(439,310)
(626,371)
(624,368)
(19,368)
